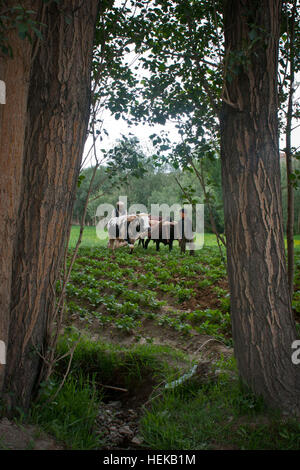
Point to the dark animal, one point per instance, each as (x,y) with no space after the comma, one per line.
(162,231)
(165,232)
(153,221)
(124,230)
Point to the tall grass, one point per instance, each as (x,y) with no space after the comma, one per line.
(71,416)
(116,365)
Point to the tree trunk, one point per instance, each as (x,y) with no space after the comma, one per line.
(58,113)
(262,320)
(15,73)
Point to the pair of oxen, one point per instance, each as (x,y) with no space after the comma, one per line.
(127,229)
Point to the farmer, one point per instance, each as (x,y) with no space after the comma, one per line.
(118,211)
(186,232)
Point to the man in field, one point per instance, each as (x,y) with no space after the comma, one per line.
(118,211)
(186,232)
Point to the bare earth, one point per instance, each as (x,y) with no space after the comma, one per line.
(24,437)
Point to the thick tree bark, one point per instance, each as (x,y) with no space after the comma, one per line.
(15,73)
(58,113)
(262,320)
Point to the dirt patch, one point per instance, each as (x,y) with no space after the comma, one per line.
(118,421)
(25,437)
(151,332)
(118,426)
(215,349)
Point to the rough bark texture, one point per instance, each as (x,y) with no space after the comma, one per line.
(58,113)
(15,73)
(263,324)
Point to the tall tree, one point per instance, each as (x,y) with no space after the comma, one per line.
(56,124)
(263,324)
(14,71)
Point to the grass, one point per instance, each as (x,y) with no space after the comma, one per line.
(220,414)
(90,238)
(117,365)
(71,416)
(215,413)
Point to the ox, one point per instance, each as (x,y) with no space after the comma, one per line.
(165,231)
(162,231)
(153,221)
(126,229)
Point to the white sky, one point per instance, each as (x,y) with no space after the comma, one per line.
(116,128)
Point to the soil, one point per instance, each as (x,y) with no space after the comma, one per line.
(118,426)
(25,437)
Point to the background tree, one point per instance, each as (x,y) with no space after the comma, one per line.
(149,179)
(124,163)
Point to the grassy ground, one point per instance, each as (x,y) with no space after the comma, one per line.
(141,322)
(93,238)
